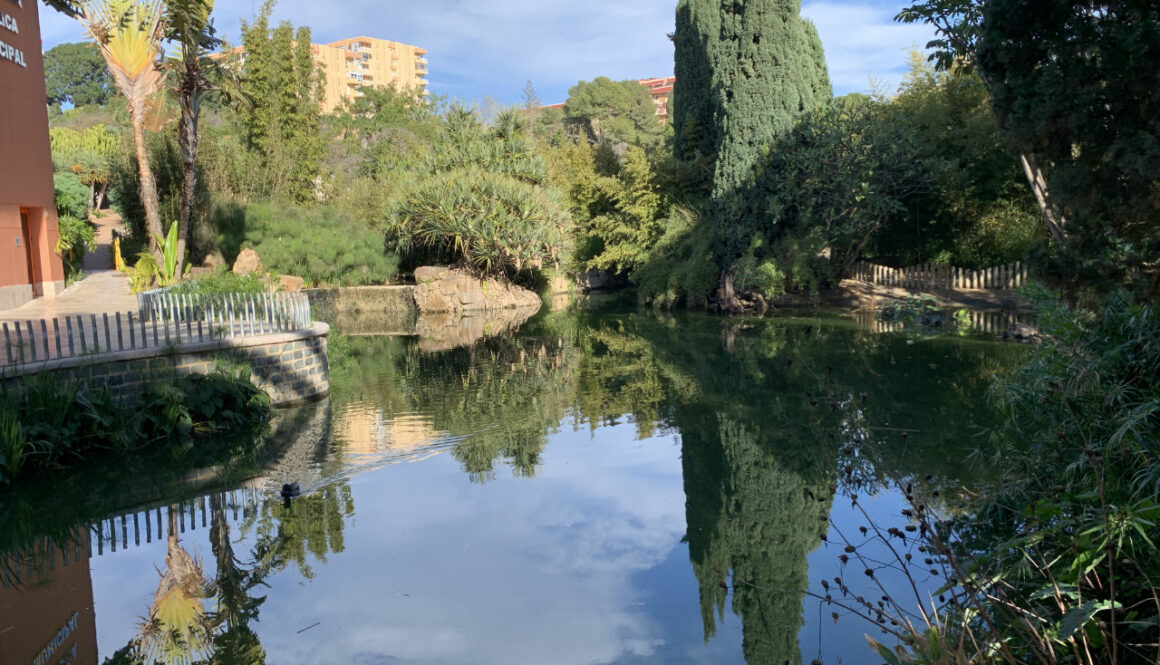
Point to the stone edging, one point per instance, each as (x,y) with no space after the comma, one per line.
(289,366)
(319,329)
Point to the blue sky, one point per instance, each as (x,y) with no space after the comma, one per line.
(493,47)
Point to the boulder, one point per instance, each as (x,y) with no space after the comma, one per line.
(1022,332)
(212,262)
(440,289)
(290,283)
(439,331)
(247,262)
(603,280)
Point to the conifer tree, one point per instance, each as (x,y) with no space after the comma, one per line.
(745,71)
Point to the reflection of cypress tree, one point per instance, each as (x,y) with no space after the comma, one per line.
(505,394)
(236,608)
(312,524)
(748,515)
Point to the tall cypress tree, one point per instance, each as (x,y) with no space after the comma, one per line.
(746,69)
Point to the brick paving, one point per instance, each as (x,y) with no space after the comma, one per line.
(102,290)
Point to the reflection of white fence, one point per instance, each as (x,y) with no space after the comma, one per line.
(931,276)
(990,323)
(122,531)
(163,319)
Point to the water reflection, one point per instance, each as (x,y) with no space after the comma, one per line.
(616,488)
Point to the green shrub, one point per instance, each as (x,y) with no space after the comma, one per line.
(72,196)
(47,423)
(1059,563)
(76,237)
(316,244)
(491,221)
(682,269)
(222,282)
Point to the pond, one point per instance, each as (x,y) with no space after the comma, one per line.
(591,487)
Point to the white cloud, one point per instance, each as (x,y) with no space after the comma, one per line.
(492,47)
(863,42)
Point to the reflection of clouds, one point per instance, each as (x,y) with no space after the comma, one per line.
(515,571)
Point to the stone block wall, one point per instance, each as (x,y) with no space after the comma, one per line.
(290,366)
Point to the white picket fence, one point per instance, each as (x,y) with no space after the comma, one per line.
(988,323)
(163,319)
(932,276)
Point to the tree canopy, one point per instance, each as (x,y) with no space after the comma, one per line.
(614,111)
(75,73)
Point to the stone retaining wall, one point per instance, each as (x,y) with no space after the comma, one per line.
(290,366)
(397,301)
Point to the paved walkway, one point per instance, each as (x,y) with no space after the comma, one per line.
(102,290)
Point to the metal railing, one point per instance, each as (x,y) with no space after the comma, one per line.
(163,319)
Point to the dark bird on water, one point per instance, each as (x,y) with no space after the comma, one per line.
(290,490)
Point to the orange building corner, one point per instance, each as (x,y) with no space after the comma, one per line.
(29,265)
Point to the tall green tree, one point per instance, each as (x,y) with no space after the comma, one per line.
(603,110)
(129,35)
(1077,83)
(745,72)
(76,74)
(283,131)
(958,25)
(189,28)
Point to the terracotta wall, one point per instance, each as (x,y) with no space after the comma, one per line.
(48,616)
(25,162)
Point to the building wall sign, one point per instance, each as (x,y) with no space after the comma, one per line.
(12,54)
(7,51)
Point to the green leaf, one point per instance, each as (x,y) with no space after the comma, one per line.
(1079,616)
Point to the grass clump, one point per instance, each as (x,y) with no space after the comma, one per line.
(222,282)
(316,244)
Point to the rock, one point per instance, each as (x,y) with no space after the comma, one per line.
(198,272)
(439,331)
(1022,332)
(247,262)
(428,274)
(212,262)
(602,280)
(440,289)
(290,283)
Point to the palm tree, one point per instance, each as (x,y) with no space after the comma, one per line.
(129,34)
(177,630)
(189,27)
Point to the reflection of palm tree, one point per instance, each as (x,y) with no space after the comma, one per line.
(236,608)
(177,628)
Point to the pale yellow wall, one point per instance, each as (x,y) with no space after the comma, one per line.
(379,61)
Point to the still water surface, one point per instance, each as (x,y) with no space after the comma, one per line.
(601,487)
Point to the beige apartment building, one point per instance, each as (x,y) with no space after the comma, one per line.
(349,65)
(358,62)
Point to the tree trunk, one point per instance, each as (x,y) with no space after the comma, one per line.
(147,183)
(1042,195)
(727,300)
(187,140)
